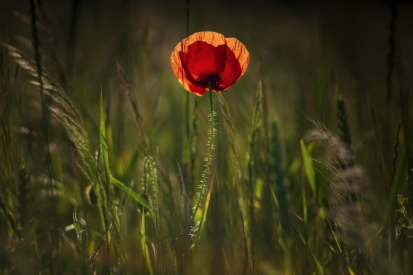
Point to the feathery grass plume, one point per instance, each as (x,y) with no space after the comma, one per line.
(236,174)
(110,202)
(63,110)
(194,225)
(51,88)
(256,121)
(151,188)
(51,49)
(151,182)
(142,135)
(349,197)
(163,256)
(82,244)
(51,52)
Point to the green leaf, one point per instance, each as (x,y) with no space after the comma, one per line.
(131,193)
(395,187)
(103,142)
(130,166)
(144,247)
(308,166)
(319,266)
(204,215)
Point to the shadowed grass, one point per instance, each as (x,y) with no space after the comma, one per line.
(121,200)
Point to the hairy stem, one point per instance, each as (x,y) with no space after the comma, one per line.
(208,160)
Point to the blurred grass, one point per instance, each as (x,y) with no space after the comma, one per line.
(117,124)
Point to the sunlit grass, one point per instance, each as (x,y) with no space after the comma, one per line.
(303,178)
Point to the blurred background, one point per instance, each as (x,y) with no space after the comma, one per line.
(306,53)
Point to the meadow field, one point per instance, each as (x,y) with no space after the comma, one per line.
(109,166)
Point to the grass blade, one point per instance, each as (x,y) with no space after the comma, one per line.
(308,166)
(132,194)
(204,214)
(103,143)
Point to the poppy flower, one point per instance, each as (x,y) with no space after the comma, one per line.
(208,58)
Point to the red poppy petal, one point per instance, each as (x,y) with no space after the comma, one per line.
(213,38)
(203,59)
(198,90)
(207,57)
(179,71)
(198,56)
(237,62)
(186,79)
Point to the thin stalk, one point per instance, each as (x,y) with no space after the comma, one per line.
(193,146)
(208,160)
(251,153)
(44,120)
(390,55)
(187,118)
(188,140)
(236,177)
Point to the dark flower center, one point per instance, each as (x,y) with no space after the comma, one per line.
(204,80)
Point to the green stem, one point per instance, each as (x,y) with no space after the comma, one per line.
(187,117)
(204,176)
(211,104)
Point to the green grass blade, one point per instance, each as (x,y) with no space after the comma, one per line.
(256,121)
(319,266)
(395,188)
(126,170)
(103,142)
(308,166)
(144,247)
(131,193)
(204,214)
